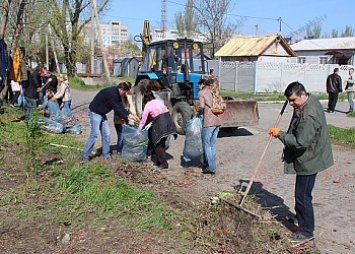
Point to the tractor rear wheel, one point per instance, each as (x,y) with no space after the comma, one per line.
(138,93)
(181,114)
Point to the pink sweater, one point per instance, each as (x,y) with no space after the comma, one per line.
(152,109)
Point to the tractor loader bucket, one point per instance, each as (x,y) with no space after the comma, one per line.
(240,113)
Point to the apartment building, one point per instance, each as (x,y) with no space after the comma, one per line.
(113,33)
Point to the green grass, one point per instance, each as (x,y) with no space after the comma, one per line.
(275,96)
(345,137)
(74,192)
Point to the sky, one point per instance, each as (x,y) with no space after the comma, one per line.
(249,14)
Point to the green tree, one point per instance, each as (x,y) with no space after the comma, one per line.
(348,32)
(186,22)
(314,30)
(335,33)
(68,19)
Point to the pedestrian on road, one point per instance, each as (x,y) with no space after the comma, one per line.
(349,88)
(106,100)
(307,152)
(210,127)
(334,87)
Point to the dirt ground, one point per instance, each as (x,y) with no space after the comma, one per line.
(238,154)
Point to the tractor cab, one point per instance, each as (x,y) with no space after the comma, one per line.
(176,64)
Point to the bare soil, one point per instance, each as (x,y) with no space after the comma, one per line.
(232,230)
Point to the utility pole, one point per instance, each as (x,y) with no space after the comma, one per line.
(107,72)
(280,25)
(256,29)
(47,54)
(163,17)
(92,52)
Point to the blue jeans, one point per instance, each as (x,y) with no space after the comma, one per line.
(31,105)
(209,140)
(119,128)
(67,104)
(351,101)
(98,123)
(304,207)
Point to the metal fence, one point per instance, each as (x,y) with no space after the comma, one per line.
(259,77)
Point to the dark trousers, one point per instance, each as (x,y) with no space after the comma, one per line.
(159,153)
(332,102)
(304,207)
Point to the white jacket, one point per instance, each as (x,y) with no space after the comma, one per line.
(63,91)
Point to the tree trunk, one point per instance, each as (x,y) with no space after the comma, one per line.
(5,16)
(69,62)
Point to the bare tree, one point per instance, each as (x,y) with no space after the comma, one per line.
(212,17)
(187,23)
(4,17)
(68,19)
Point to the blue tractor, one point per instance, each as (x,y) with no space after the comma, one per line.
(177,65)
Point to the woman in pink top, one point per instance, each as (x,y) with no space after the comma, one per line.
(163,126)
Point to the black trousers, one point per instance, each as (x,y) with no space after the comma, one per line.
(332,102)
(159,153)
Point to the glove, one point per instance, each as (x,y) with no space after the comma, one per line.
(136,117)
(131,122)
(274,131)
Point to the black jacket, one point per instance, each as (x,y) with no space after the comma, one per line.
(334,83)
(163,126)
(106,100)
(31,86)
(53,84)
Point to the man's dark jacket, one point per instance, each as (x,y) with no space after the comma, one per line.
(106,100)
(31,86)
(334,83)
(308,148)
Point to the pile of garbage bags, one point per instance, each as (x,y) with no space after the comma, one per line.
(61,122)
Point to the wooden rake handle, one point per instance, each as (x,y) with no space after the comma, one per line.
(251,181)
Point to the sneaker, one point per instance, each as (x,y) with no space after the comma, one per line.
(205,172)
(164,166)
(300,237)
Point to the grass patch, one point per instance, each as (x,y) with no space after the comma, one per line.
(342,136)
(275,96)
(75,194)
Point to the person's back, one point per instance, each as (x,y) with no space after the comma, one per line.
(34,83)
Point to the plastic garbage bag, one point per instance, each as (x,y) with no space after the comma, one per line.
(135,143)
(75,129)
(67,118)
(193,149)
(50,125)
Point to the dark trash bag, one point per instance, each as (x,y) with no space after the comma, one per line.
(135,143)
(193,149)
